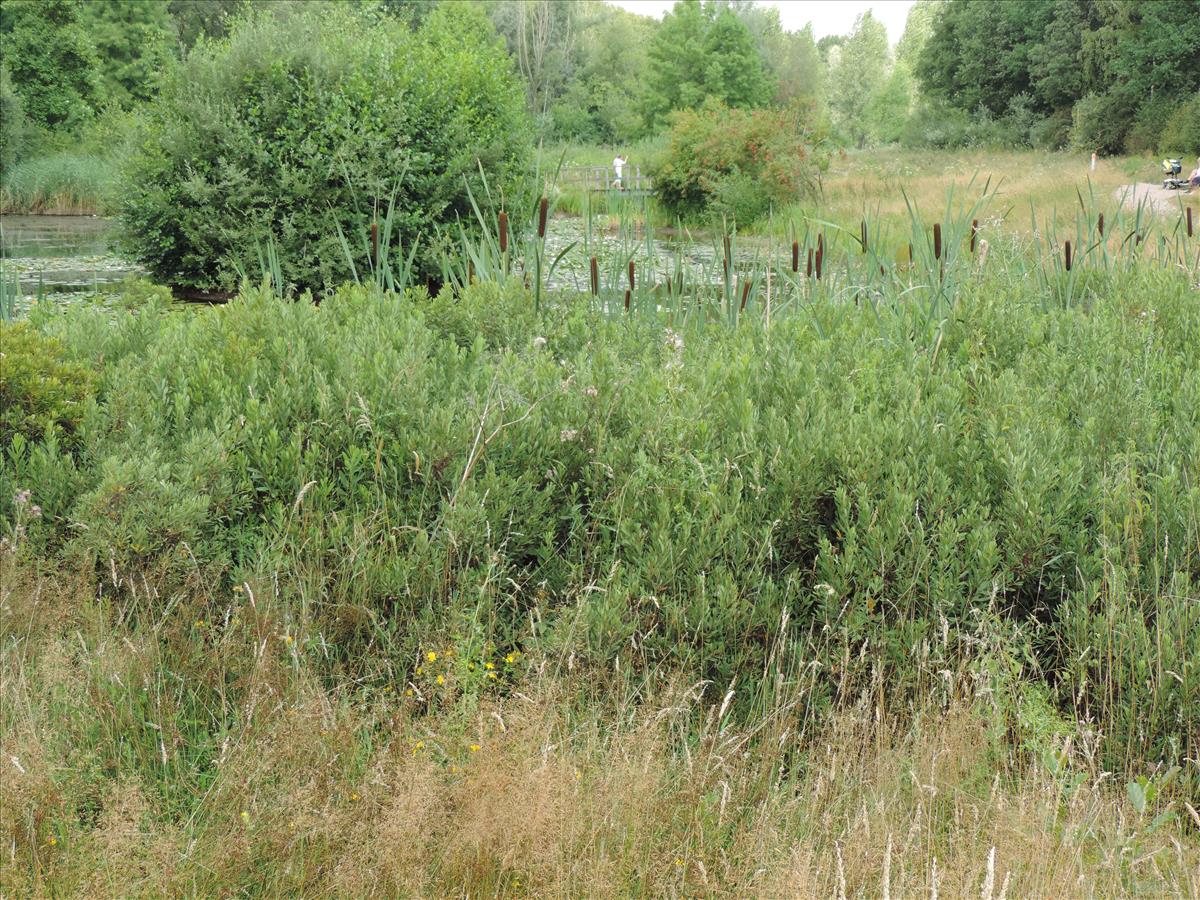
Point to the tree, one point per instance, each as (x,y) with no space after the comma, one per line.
(699,51)
(303,125)
(799,69)
(603,99)
(203,18)
(51,60)
(540,35)
(859,72)
(677,63)
(134,43)
(734,74)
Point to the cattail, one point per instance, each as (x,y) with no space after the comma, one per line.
(374,244)
(745,295)
(910,253)
(796,256)
(864,236)
(728,247)
(503,231)
(820,258)
(595,277)
(808,272)
(1067,254)
(631,284)
(1100,224)
(974,232)
(1189,221)
(627,295)
(543,209)
(937,240)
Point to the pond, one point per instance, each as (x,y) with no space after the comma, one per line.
(56,254)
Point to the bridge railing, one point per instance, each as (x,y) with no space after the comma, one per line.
(602,178)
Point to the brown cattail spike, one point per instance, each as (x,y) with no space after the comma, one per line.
(974,233)
(1067,255)
(627,295)
(543,210)
(1189,221)
(745,295)
(1100,224)
(795,256)
(503,231)
(808,272)
(595,277)
(728,247)
(631,274)
(820,258)
(374,244)
(937,240)
(864,236)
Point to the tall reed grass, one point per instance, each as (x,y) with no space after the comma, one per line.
(58,184)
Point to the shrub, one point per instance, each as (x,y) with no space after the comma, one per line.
(304,122)
(40,390)
(1100,121)
(418,468)
(1181,134)
(737,163)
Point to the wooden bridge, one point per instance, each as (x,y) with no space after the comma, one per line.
(603,178)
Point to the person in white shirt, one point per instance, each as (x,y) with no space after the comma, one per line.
(1194,178)
(619,168)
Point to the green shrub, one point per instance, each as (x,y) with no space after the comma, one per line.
(415,469)
(304,122)
(736,163)
(41,390)
(1100,121)
(1181,134)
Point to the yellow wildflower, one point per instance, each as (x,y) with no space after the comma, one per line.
(420,670)
(245,816)
(510,658)
(489,666)
(408,692)
(418,746)
(441,679)
(287,639)
(354,797)
(52,840)
(431,656)
(492,676)
(474,748)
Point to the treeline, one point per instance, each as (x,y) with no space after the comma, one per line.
(1109,75)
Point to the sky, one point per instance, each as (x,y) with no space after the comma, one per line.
(828,16)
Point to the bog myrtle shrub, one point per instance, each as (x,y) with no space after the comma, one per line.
(408,469)
(304,125)
(737,163)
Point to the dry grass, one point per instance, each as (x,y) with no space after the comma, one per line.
(321,791)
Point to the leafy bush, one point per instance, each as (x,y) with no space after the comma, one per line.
(304,122)
(736,163)
(1181,134)
(40,390)
(1099,122)
(415,469)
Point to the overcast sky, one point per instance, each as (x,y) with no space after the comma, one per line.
(827,16)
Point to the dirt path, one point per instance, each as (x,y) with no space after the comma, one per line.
(1155,196)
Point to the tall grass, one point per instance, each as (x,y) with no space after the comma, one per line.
(58,184)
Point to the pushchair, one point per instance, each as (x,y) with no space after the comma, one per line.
(1173,179)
